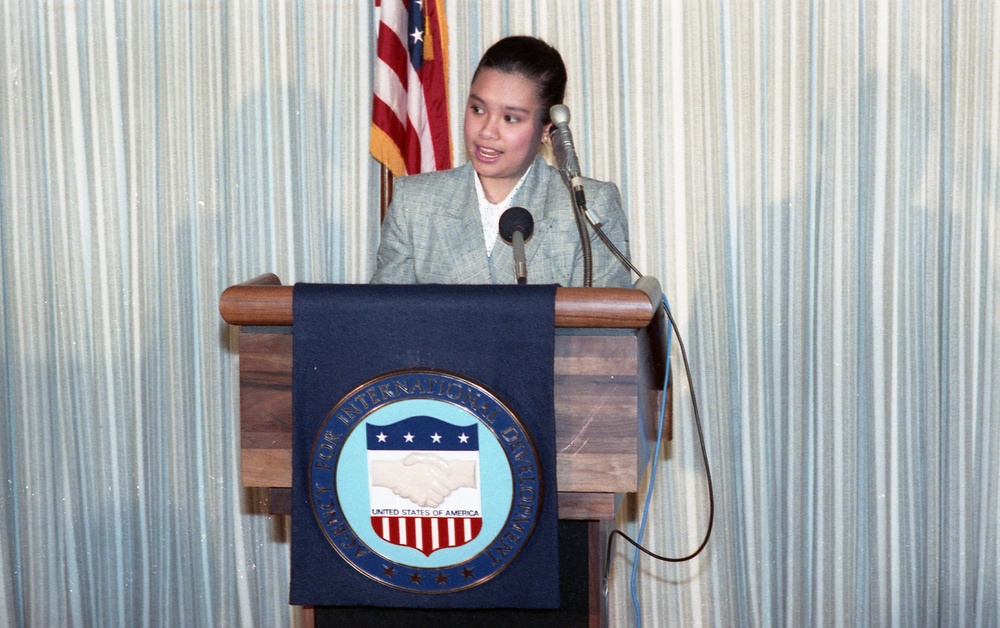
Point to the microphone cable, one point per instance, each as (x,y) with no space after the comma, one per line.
(698,426)
(581,214)
(596,226)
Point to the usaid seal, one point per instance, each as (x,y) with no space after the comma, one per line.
(425,481)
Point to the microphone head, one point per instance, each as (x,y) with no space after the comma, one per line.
(559,114)
(516,219)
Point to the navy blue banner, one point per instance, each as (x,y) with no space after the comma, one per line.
(454,510)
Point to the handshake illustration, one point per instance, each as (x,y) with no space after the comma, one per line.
(425,479)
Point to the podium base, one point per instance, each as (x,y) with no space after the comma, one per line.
(574,542)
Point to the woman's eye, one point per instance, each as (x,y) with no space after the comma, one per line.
(475,109)
(512,119)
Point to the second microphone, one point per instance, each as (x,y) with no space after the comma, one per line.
(516,227)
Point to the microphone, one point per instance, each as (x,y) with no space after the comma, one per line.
(562,144)
(516,226)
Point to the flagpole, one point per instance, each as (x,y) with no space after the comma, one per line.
(385,180)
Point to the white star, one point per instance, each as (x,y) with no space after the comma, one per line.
(436,437)
(381,437)
(463,438)
(417,35)
(408,437)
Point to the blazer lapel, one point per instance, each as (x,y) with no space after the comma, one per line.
(533,196)
(464,229)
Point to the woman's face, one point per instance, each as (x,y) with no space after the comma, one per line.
(503,129)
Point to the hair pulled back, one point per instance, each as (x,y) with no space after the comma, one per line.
(534,60)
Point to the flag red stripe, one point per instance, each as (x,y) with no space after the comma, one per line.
(437,82)
(392,52)
(385,118)
(413,156)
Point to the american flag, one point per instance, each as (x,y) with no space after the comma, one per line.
(409,131)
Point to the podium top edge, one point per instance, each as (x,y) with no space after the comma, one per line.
(263,301)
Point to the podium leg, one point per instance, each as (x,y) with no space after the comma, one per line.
(307,616)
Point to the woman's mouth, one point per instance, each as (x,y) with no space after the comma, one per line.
(487,154)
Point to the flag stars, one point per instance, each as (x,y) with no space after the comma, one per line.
(464,438)
(418,36)
(381,437)
(408,437)
(436,437)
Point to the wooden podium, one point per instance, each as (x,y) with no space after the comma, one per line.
(609,361)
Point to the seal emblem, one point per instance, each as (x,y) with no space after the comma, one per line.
(425,481)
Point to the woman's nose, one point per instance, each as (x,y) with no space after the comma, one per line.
(488,128)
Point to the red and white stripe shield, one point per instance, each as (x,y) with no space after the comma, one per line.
(423,483)
(428,534)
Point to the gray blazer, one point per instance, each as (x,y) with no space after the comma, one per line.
(432,232)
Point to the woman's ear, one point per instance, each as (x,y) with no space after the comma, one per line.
(547,133)
(545,148)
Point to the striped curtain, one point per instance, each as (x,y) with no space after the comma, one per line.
(815,184)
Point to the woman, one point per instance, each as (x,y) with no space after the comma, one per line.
(442,226)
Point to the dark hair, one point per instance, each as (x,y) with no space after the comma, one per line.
(533,59)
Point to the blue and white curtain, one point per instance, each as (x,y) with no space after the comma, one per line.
(815,184)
